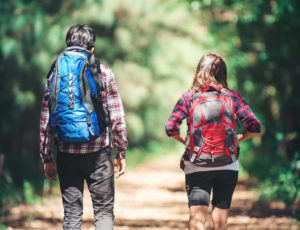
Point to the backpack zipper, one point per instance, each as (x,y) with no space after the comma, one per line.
(212,157)
(71,107)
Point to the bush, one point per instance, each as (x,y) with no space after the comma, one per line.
(286,187)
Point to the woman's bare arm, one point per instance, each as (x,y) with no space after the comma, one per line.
(179,138)
(245,135)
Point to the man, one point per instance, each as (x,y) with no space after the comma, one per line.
(88,160)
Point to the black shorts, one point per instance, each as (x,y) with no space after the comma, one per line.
(222,183)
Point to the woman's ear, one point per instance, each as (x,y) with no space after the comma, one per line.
(92,50)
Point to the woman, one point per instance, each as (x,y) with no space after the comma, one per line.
(206,171)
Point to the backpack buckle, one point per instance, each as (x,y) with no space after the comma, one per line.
(196,150)
(233,157)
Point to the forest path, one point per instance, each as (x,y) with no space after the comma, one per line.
(153,197)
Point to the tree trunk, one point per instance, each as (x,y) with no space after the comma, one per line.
(1,163)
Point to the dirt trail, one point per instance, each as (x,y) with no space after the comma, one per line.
(153,197)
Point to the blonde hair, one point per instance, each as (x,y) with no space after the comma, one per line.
(211,69)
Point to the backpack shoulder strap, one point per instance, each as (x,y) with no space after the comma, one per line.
(102,113)
(224,91)
(94,64)
(51,69)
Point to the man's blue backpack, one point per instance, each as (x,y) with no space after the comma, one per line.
(75,102)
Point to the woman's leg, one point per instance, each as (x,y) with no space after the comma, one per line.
(224,183)
(198,216)
(219,217)
(198,187)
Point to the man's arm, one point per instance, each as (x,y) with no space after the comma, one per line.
(117,118)
(45,136)
(46,140)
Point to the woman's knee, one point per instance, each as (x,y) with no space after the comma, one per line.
(198,216)
(219,217)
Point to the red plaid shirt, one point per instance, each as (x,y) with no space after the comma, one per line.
(112,100)
(242,110)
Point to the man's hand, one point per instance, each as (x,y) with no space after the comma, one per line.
(120,166)
(50,171)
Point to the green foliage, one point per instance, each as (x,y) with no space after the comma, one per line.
(259,39)
(30,217)
(29,193)
(260,42)
(153,48)
(2,226)
(285,185)
(8,197)
(153,150)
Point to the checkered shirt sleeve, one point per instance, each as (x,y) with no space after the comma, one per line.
(117,116)
(45,135)
(244,113)
(179,113)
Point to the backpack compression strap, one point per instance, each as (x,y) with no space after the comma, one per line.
(93,63)
(85,89)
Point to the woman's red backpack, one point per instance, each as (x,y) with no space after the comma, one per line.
(212,128)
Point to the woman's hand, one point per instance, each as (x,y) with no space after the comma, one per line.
(245,135)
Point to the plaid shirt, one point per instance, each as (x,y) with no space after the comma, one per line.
(112,101)
(242,110)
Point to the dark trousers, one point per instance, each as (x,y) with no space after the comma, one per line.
(97,169)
